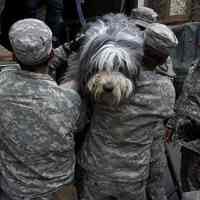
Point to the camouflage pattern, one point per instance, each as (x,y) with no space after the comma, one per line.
(31,40)
(187,105)
(154,37)
(118,145)
(117,151)
(160,37)
(167,68)
(95,189)
(155,182)
(144,16)
(37,121)
(187,110)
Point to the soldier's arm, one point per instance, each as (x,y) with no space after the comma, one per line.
(62,53)
(178,119)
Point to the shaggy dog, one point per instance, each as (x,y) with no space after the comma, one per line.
(107,68)
(108,62)
(116,153)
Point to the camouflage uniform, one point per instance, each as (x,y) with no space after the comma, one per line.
(142,17)
(121,157)
(155,187)
(188,111)
(37,121)
(41,159)
(117,151)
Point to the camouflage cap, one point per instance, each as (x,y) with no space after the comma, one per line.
(144,16)
(160,37)
(31,40)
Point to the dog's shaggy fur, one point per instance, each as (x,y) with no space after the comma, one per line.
(106,68)
(108,62)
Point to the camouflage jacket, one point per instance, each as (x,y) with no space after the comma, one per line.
(37,121)
(118,144)
(188,105)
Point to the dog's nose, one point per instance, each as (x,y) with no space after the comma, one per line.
(108,87)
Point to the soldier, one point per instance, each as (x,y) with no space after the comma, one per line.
(159,40)
(186,124)
(136,134)
(142,17)
(38,120)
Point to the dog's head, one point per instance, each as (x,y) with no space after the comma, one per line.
(110,59)
(110,87)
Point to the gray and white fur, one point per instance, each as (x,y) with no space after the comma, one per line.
(107,68)
(108,62)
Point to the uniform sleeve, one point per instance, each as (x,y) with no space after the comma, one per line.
(180,102)
(78,110)
(168,98)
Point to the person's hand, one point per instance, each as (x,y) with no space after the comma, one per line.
(168,135)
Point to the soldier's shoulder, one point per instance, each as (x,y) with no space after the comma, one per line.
(69,97)
(165,85)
